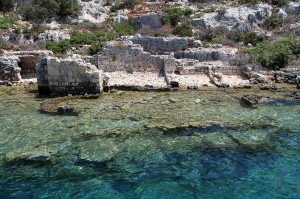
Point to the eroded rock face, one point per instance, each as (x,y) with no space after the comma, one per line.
(62,77)
(53,35)
(161,45)
(293,8)
(152,20)
(202,54)
(93,11)
(123,56)
(9,68)
(238,18)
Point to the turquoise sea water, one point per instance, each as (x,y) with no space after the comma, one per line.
(186,144)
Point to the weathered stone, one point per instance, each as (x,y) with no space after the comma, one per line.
(64,77)
(238,18)
(9,68)
(293,8)
(152,20)
(161,45)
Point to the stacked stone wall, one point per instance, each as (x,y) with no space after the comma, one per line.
(63,77)
(160,45)
(121,56)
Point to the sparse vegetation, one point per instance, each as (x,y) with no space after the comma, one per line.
(174,15)
(95,48)
(183,30)
(39,10)
(59,47)
(123,29)
(273,22)
(278,54)
(7,5)
(129,70)
(8,20)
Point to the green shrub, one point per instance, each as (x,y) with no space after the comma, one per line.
(129,70)
(158,34)
(252,38)
(90,37)
(59,47)
(183,30)
(95,48)
(245,37)
(114,9)
(81,38)
(8,20)
(273,22)
(173,15)
(7,5)
(39,10)
(123,29)
(249,1)
(276,55)
(280,2)
(216,40)
(128,4)
(210,9)
(68,7)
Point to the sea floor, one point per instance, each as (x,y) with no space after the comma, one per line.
(183,144)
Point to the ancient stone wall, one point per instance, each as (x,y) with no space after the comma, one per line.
(28,59)
(124,55)
(9,68)
(202,54)
(151,20)
(63,77)
(160,45)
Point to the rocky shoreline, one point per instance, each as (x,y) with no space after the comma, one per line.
(126,65)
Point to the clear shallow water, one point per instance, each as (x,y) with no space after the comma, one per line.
(150,145)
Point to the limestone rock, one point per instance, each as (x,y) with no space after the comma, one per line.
(64,77)
(9,68)
(202,54)
(161,45)
(238,18)
(152,20)
(293,8)
(53,35)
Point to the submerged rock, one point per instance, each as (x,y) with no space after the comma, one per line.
(251,100)
(97,150)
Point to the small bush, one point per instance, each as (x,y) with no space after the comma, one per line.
(277,54)
(95,48)
(128,4)
(158,34)
(245,37)
(129,70)
(210,9)
(216,40)
(8,20)
(173,15)
(280,3)
(183,30)
(39,10)
(249,1)
(273,22)
(59,47)
(123,29)
(114,9)
(7,5)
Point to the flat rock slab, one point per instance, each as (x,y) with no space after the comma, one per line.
(198,80)
(232,80)
(140,79)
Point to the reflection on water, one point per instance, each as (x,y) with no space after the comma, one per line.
(150,145)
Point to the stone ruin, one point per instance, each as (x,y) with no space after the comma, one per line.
(68,77)
(18,65)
